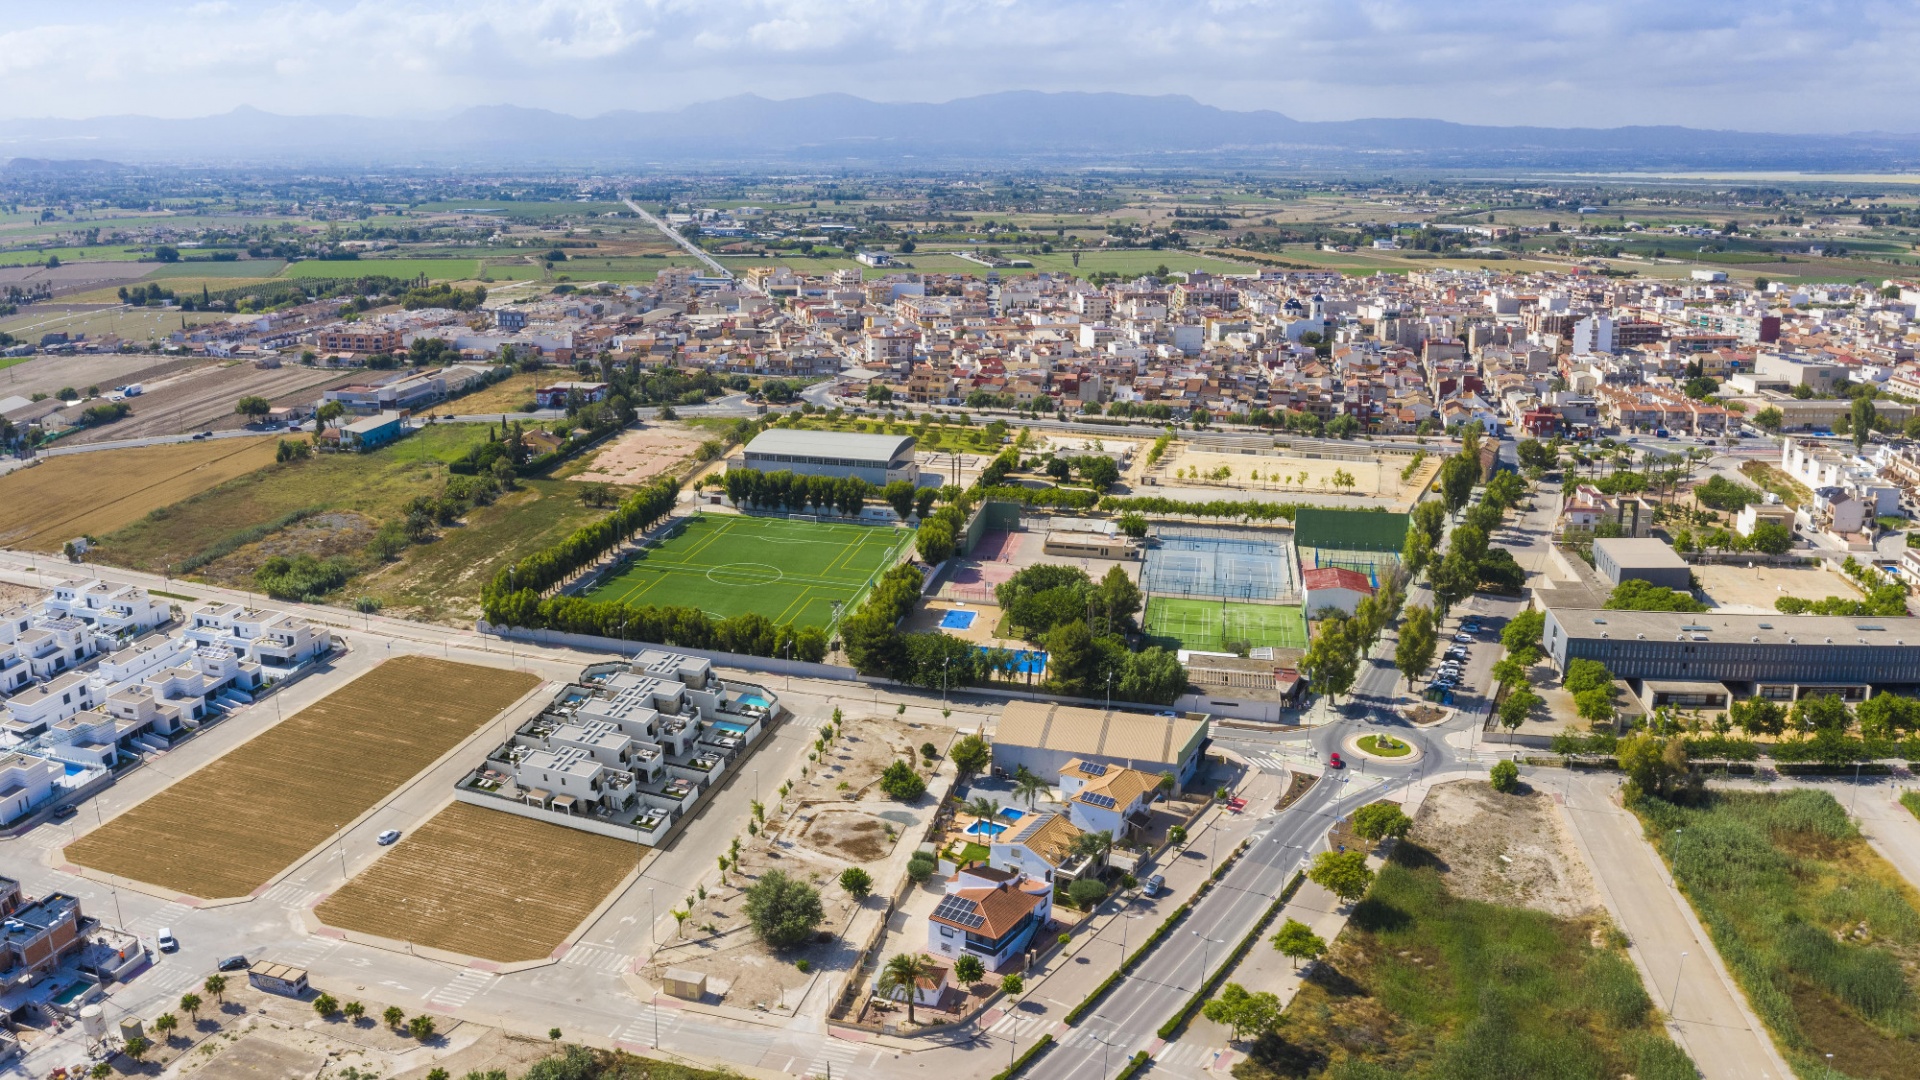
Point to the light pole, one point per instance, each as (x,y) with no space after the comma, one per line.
(1104,1047)
(653,920)
(1674,998)
(1207,943)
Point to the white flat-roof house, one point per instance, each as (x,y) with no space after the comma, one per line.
(26,782)
(260,635)
(111,607)
(32,710)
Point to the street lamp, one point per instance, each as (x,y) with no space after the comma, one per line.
(1674,998)
(1207,943)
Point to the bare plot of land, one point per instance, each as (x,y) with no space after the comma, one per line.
(640,455)
(1740,590)
(1263,472)
(97,493)
(228,828)
(47,374)
(483,883)
(202,398)
(850,835)
(1505,849)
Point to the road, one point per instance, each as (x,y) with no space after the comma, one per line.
(687,245)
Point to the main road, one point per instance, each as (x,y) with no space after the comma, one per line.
(687,245)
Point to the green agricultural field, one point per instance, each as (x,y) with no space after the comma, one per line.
(102,253)
(524,211)
(789,571)
(1212,625)
(435,269)
(237,268)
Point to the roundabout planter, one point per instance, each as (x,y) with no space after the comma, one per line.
(1374,746)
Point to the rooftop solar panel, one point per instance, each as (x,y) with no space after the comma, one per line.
(1093,768)
(1103,801)
(960,910)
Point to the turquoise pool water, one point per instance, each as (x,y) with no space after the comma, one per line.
(957,620)
(1012,815)
(728,725)
(72,769)
(754,699)
(66,996)
(985,828)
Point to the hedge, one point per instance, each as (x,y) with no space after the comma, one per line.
(1138,1062)
(1172,1028)
(1020,1064)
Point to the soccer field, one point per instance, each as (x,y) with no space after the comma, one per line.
(789,571)
(1210,625)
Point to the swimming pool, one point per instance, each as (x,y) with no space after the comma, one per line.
(754,699)
(72,769)
(985,828)
(1012,815)
(957,620)
(728,725)
(1026,661)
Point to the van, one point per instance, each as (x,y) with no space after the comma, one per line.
(166,940)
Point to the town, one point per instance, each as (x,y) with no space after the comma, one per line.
(1337,604)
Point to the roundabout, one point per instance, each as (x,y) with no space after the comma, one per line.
(1382,747)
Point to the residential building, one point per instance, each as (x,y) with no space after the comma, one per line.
(991,914)
(1045,736)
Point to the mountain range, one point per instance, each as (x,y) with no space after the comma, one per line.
(1011,128)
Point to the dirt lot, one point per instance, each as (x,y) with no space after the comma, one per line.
(510,394)
(1739,590)
(201,398)
(864,748)
(301,780)
(1505,849)
(640,455)
(47,374)
(337,532)
(96,493)
(1278,473)
(483,883)
(12,595)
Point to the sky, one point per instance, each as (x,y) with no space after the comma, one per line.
(1758,65)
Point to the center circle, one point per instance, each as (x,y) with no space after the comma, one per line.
(745,574)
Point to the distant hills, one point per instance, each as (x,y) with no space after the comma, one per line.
(1012,128)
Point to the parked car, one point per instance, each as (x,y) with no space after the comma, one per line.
(388,837)
(1155,886)
(166,940)
(1334,762)
(234,963)
(1463,636)
(62,812)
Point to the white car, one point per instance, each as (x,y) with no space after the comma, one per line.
(388,837)
(166,940)
(1463,636)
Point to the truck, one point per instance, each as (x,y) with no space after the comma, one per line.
(134,389)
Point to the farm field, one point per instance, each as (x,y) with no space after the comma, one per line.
(93,494)
(135,324)
(788,571)
(524,211)
(507,395)
(1212,625)
(435,269)
(443,885)
(1816,927)
(377,485)
(301,780)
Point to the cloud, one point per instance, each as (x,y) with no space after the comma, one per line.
(1788,65)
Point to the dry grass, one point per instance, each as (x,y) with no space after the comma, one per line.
(230,827)
(93,494)
(483,883)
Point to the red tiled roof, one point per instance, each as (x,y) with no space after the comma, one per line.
(1337,577)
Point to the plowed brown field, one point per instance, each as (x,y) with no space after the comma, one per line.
(229,828)
(93,494)
(483,883)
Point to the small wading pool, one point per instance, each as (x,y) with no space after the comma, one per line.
(728,725)
(957,620)
(1012,815)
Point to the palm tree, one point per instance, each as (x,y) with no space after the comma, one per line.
(190,1004)
(906,970)
(1028,786)
(217,986)
(1094,845)
(984,808)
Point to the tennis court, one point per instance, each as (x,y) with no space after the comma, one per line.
(790,571)
(1216,625)
(1226,564)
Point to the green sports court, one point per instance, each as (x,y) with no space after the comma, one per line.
(789,570)
(1211,625)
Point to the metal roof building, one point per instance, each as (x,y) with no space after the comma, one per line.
(1044,736)
(877,459)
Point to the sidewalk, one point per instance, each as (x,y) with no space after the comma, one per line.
(1683,972)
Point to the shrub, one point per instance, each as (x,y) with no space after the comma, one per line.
(1505,777)
(901,783)
(1086,892)
(921,867)
(857,882)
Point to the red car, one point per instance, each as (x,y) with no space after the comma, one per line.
(1334,762)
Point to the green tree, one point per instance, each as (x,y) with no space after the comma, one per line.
(784,911)
(1297,941)
(1504,776)
(325,1005)
(1516,708)
(217,986)
(857,882)
(1342,873)
(167,1023)
(1119,598)
(253,407)
(1070,658)
(1028,786)
(1085,892)
(1758,716)
(1583,674)
(421,1028)
(1654,766)
(1457,478)
(971,755)
(190,1004)
(353,1011)
(1821,712)
(136,1048)
(1242,1011)
(1769,419)
(1413,652)
(1133,524)
(1524,630)
(1863,415)
(1332,659)
(901,783)
(905,971)
(1377,821)
(968,969)
(1772,538)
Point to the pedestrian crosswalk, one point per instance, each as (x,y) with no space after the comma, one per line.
(596,958)
(654,1024)
(1192,1055)
(309,952)
(155,919)
(170,979)
(289,896)
(835,1054)
(1269,763)
(1020,1025)
(465,986)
